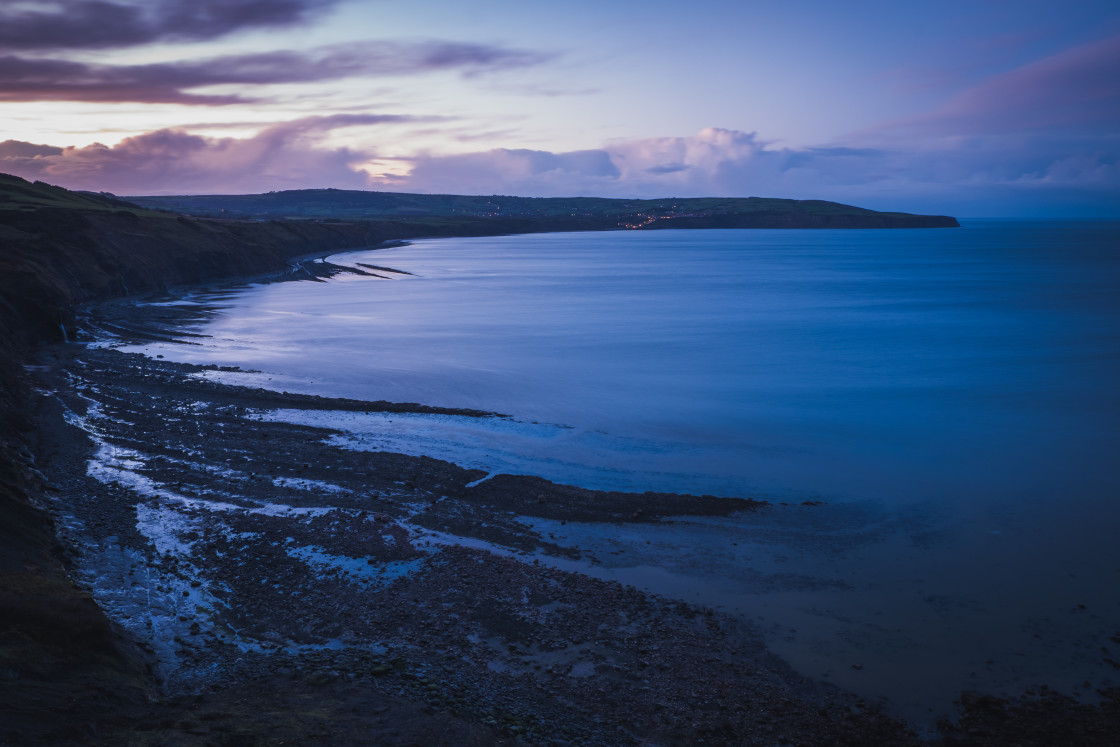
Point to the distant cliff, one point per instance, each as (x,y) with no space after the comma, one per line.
(598,212)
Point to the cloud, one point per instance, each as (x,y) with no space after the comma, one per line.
(283,156)
(27,79)
(982,175)
(23,79)
(668,168)
(1075,90)
(15,150)
(529,172)
(708,163)
(104,24)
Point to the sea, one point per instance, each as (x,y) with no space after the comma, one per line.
(934,415)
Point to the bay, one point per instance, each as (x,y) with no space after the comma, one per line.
(949,394)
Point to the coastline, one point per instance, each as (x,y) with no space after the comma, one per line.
(101,684)
(426,588)
(481,628)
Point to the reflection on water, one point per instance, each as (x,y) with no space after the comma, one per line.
(956,385)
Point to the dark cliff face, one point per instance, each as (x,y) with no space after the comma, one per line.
(53,259)
(58,652)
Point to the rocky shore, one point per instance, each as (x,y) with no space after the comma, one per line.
(398,593)
(276,587)
(177,569)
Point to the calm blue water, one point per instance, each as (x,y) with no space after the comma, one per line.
(890,364)
(951,394)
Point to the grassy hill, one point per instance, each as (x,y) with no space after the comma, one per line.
(21,195)
(338,204)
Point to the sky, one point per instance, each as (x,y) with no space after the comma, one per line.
(973,108)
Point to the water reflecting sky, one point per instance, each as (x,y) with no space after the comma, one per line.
(854,363)
(952,393)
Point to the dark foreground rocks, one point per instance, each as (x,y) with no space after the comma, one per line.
(1038,718)
(283,588)
(261,585)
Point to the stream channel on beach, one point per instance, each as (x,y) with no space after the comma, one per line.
(933,413)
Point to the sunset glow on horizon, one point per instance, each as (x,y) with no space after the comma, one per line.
(960,108)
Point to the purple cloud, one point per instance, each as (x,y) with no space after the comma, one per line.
(528,172)
(991,175)
(283,156)
(104,24)
(16,151)
(24,79)
(980,175)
